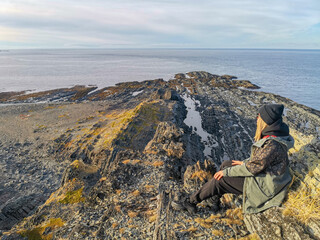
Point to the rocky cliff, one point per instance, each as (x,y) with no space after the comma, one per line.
(106,163)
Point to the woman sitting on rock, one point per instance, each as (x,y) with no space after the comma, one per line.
(262,179)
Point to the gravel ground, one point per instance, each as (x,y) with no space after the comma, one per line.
(29,169)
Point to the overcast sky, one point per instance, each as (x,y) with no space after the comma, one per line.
(160,24)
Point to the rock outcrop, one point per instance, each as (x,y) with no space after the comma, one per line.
(127,151)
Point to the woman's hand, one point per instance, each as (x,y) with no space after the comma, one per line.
(236,162)
(218,175)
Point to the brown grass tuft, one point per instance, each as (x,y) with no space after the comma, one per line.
(103,179)
(176,225)
(208,222)
(158,163)
(148,187)
(235,213)
(202,175)
(136,193)
(252,236)
(191,229)
(118,191)
(203,223)
(230,221)
(150,212)
(117,208)
(133,162)
(153,218)
(218,233)
(132,214)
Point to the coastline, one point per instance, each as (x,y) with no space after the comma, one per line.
(292,74)
(126,151)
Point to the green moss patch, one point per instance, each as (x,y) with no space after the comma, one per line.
(37,233)
(73,197)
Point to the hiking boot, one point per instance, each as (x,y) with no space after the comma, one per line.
(213,203)
(185,205)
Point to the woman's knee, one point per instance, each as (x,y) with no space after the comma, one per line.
(226,164)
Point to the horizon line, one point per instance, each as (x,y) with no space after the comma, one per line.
(155,48)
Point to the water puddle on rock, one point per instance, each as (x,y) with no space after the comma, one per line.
(194,120)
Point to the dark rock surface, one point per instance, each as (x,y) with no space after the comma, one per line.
(106,164)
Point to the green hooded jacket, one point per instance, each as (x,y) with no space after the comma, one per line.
(266,172)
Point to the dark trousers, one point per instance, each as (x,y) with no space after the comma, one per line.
(219,187)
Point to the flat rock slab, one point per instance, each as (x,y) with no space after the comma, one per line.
(272,224)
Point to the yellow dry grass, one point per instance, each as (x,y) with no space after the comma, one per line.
(150,212)
(176,225)
(63,115)
(252,236)
(230,221)
(132,214)
(191,229)
(153,218)
(151,151)
(158,163)
(102,179)
(133,162)
(136,193)
(235,213)
(203,223)
(202,175)
(148,187)
(111,126)
(303,204)
(218,233)
(118,191)
(207,222)
(117,208)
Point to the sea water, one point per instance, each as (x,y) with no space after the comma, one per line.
(290,73)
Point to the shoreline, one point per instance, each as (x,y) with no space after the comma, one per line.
(293,74)
(134,147)
(103,88)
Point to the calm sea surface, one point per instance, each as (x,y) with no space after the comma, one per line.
(290,73)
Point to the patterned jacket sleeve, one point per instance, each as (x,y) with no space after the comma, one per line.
(262,157)
(259,160)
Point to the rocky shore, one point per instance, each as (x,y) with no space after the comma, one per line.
(88,163)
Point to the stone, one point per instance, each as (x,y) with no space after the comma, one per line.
(108,164)
(271,224)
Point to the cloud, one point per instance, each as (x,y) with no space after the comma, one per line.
(147,23)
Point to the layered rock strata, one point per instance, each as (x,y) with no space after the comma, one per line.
(127,151)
